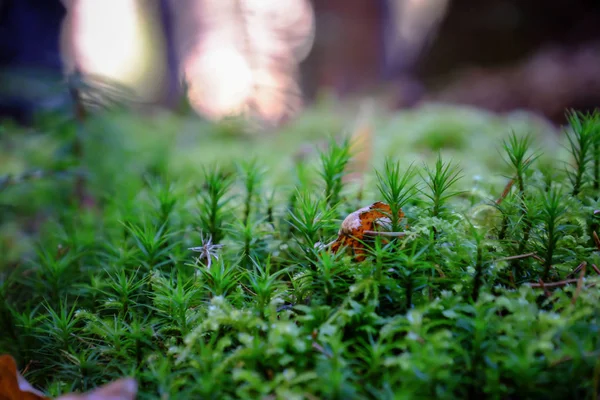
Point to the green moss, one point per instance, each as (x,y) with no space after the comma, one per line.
(101,283)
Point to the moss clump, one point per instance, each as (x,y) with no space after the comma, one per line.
(197,268)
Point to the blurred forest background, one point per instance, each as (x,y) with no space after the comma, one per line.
(270,59)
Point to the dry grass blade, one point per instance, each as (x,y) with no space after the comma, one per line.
(543,285)
(320,349)
(386,234)
(579,283)
(506,191)
(582,265)
(538,258)
(517,257)
(596,239)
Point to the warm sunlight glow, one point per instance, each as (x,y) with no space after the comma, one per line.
(220,81)
(110,38)
(246,59)
(107,36)
(237,56)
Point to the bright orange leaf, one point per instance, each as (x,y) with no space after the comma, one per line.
(12,385)
(360,224)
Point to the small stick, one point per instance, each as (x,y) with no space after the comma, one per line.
(326,246)
(511,278)
(517,257)
(320,349)
(543,285)
(596,239)
(596,269)
(439,270)
(505,191)
(27,367)
(538,258)
(388,234)
(546,291)
(579,283)
(570,358)
(247,289)
(582,265)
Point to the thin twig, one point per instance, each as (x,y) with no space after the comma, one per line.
(517,257)
(80,113)
(596,239)
(582,265)
(439,270)
(388,234)
(248,289)
(570,358)
(596,269)
(538,258)
(506,191)
(546,291)
(579,283)
(27,367)
(511,279)
(320,349)
(543,285)
(328,245)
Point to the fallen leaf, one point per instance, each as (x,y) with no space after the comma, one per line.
(13,386)
(359,224)
(121,389)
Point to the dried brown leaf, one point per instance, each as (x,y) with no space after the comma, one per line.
(359,224)
(14,387)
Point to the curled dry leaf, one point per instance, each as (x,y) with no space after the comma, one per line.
(358,225)
(14,387)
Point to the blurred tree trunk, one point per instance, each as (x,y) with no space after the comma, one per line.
(347,50)
(482,49)
(500,32)
(29,31)
(172,81)
(29,54)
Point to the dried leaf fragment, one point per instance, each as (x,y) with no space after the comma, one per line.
(121,389)
(359,224)
(14,387)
